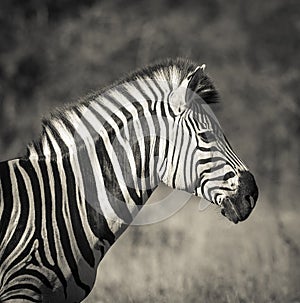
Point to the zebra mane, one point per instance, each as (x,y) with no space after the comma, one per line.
(183,68)
(170,69)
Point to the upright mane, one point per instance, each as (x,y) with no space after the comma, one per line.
(174,71)
(179,67)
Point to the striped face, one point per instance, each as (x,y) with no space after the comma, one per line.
(211,168)
(222,178)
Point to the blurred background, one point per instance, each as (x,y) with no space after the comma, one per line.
(53,52)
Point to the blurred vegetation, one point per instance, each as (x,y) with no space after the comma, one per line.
(53,52)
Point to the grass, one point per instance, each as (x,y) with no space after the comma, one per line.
(198,257)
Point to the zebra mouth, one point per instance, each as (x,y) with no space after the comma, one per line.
(229,211)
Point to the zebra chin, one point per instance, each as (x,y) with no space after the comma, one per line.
(231,213)
(238,207)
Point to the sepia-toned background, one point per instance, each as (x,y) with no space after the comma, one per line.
(53,52)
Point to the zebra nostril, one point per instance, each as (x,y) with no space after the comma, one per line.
(250,200)
(248,188)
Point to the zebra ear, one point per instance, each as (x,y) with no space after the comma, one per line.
(193,84)
(184,96)
(200,87)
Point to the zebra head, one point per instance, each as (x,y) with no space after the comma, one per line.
(206,165)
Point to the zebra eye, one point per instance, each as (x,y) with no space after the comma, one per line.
(228,176)
(189,77)
(207,136)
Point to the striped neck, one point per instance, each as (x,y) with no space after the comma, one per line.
(115,145)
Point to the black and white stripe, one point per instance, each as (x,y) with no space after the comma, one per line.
(80,185)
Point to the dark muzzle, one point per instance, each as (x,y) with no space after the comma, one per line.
(238,207)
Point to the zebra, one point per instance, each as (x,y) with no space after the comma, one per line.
(80,184)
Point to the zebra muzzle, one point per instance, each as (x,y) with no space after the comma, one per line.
(239,206)
(230,212)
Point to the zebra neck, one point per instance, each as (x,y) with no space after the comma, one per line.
(112,146)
